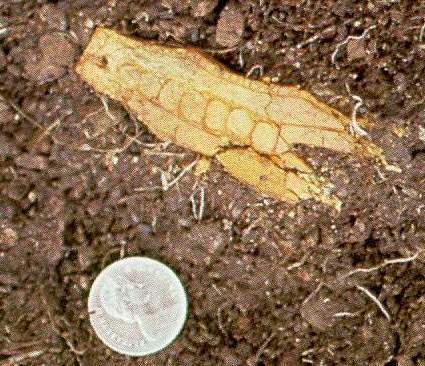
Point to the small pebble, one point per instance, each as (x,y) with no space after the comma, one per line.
(356,49)
(32,196)
(57,49)
(230,26)
(29,161)
(201,8)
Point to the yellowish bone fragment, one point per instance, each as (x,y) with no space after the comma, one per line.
(250,126)
(253,169)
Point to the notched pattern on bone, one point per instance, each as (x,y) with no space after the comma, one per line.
(250,126)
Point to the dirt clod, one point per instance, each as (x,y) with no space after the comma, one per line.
(3,61)
(31,161)
(230,26)
(56,54)
(57,48)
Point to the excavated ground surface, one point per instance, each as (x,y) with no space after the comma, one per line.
(267,282)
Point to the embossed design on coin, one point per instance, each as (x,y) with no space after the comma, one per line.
(137,306)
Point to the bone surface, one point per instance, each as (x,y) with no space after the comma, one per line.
(250,126)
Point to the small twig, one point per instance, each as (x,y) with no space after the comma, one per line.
(216,289)
(309,40)
(123,249)
(421,133)
(165,184)
(86,117)
(385,263)
(382,176)
(363,289)
(278,21)
(153,224)
(312,38)
(16,347)
(108,254)
(55,327)
(192,200)
(345,41)
(21,112)
(346,313)
(46,132)
(114,151)
(164,153)
(142,15)
(201,204)
(309,297)
(307,360)
(3,31)
(263,347)
(421,33)
(299,263)
(219,320)
(107,111)
(355,128)
(164,181)
(254,68)
(241,60)
(161,145)
(198,212)
(170,361)
(180,176)
(220,51)
(140,189)
(254,224)
(375,300)
(308,352)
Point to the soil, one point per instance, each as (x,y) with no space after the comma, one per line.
(268,283)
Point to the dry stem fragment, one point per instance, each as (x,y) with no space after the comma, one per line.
(385,263)
(16,359)
(375,300)
(345,41)
(250,126)
(421,33)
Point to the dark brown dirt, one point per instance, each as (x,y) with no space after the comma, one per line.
(267,282)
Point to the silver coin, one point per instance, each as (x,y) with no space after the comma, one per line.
(137,306)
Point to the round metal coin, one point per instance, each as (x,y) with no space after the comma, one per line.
(137,306)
